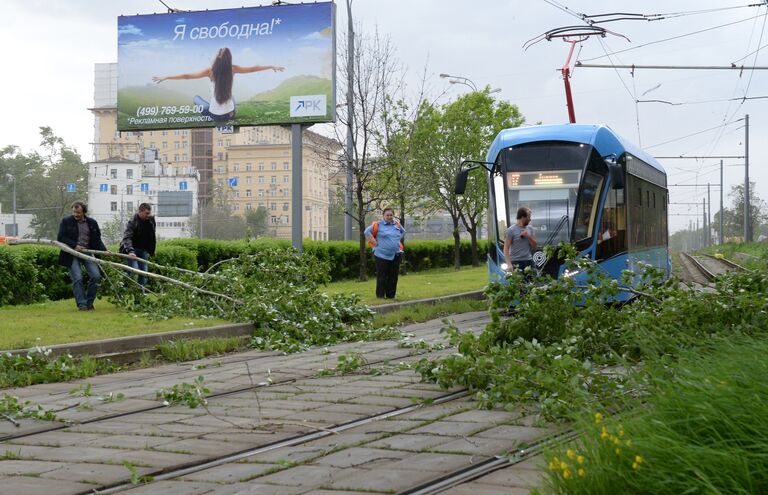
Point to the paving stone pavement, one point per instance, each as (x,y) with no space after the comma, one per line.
(101,444)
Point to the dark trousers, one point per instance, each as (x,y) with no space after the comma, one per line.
(386,276)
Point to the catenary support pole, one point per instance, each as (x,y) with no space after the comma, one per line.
(720,237)
(747,207)
(350,122)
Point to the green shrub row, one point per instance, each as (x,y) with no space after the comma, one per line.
(31,273)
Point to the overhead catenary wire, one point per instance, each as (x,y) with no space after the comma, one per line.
(677,37)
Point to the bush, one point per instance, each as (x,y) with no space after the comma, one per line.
(18,278)
(178,256)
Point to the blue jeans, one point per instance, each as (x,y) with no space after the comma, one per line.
(84,299)
(139,265)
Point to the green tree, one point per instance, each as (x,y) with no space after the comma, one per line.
(460,130)
(60,165)
(733,217)
(258,221)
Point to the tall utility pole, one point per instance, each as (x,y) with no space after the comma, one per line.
(747,220)
(720,237)
(350,121)
(705,227)
(709,216)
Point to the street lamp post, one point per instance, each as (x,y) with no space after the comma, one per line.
(465,81)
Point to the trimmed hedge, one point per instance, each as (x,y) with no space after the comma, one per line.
(32,273)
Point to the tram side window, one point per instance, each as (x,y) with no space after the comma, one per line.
(612,236)
(647,218)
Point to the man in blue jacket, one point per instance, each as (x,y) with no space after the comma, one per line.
(80,232)
(384,236)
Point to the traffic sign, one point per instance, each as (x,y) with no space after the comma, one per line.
(71,187)
(183,185)
(233,182)
(103,187)
(144,187)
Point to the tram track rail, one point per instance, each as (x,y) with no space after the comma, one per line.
(408,353)
(177,472)
(703,269)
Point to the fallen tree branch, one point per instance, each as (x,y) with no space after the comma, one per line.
(149,263)
(121,266)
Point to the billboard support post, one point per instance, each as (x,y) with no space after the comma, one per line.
(297,186)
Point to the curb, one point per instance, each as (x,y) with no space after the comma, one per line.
(123,349)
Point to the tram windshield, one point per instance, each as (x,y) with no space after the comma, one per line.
(544,177)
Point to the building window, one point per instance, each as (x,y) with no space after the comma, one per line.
(129,173)
(113,206)
(285,219)
(129,205)
(128,189)
(249,180)
(176,144)
(261,179)
(113,173)
(165,133)
(175,158)
(113,190)
(286,179)
(261,166)
(285,166)
(220,169)
(273,220)
(274,165)
(248,206)
(261,193)
(273,206)
(165,144)
(285,206)
(248,193)
(236,167)
(273,179)
(165,158)
(248,167)
(184,157)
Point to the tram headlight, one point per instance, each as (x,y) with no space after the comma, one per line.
(570,273)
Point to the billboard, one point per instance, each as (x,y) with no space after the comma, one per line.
(230,67)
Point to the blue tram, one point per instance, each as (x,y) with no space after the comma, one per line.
(586,186)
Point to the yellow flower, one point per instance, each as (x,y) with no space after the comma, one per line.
(563,466)
(604,433)
(621,432)
(582,473)
(618,451)
(638,459)
(615,440)
(571,454)
(635,466)
(566,474)
(598,418)
(628,442)
(580,459)
(552,466)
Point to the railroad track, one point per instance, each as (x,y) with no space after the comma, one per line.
(405,355)
(703,269)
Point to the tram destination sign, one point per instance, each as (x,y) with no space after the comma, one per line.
(227,68)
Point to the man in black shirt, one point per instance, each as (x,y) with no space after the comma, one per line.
(80,232)
(139,239)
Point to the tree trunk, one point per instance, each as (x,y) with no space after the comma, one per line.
(456,245)
(473,236)
(363,253)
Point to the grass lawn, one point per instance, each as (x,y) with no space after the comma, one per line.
(60,322)
(417,285)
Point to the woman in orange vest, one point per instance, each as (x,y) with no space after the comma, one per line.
(385,236)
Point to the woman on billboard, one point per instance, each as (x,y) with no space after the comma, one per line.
(221,73)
